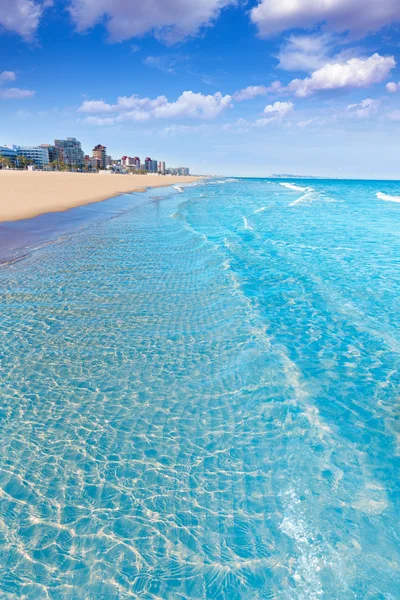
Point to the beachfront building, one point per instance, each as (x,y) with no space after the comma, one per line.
(55,154)
(10,154)
(136,162)
(161,168)
(151,166)
(72,152)
(100,156)
(36,155)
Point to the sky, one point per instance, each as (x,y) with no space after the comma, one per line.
(230,87)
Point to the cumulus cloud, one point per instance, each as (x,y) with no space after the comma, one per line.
(354,73)
(169,20)
(22,16)
(366,108)
(250,92)
(393,87)
(356,16)
(276,112)
(134,108)
(13,93)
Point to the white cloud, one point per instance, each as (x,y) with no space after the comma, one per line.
(21,16)
(394,116)
(366,108)
(96,106)
(15,93)
(194,105)
(239,126)
(134,108)
(181,129)
(168,63)
(304,52)
(250,92)
(12,93)
(275,113)
(279,109)
(393,87)
(354,73)
(169,20)
(7,76)
(357,16)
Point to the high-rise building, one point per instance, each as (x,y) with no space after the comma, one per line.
(161,168)
(148,164)
(154,166)
(100,156)
(136,162)
(55,154)
(72,151)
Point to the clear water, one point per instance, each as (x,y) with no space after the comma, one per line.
(200,399)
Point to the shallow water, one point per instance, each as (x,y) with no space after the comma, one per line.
(200,399)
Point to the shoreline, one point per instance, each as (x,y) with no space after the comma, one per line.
(29,194)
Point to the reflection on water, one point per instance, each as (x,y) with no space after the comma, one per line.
(200,400)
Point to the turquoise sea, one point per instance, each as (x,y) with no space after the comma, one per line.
(200,396)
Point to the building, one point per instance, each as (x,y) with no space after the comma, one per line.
(55,154)
(36,155)
(72,153)
(154,166)
(108,160)
(161,168)
(136,162)
(100,156)
(148,164)
(9,153)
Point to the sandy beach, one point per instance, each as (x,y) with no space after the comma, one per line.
(25,194)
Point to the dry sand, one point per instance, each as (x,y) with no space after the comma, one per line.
(25,194)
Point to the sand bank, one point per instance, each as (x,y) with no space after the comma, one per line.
(25,194)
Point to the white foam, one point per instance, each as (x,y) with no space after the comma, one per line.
(387,197)
(179,189)
(246,224)
(260,209)
(301,199)
(296,188)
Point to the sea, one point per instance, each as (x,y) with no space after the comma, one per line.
(200,395)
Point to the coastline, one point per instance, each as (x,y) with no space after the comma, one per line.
(28,194)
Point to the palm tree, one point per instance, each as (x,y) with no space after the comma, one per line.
(23,161)
(5,162)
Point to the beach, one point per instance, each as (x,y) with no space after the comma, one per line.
(25,194)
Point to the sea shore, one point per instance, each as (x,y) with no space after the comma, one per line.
(26,194)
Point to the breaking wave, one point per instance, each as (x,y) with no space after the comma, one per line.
(301,199)
(387,197)
(296,188)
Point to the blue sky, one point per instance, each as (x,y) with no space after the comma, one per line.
(224,86)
